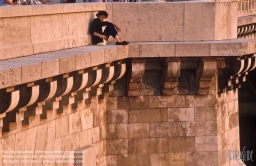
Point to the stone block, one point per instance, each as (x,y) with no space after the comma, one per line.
(110,54)
(41,137)
(200,101)
(233,135)
(50,68)
(74,29)
(224,49)
(49,24)
(51,136)
(20,141)
(181,144)
(206,128)
(111,160)
(16,41)
(95,134)
(134,50)
(223,140)
(174,22)
(181,114)
(112,131)
(123,103)
(99,115)
(157,50)
(202,158)
(31,140)
(231,106)
(222,111)
(117,146)
(206,143)
(122,131)
(195,14)
(42,10)
(133,160)
(192,50)
(139,102)
(205,114)
(190,128)
(146,115)
(74,123)
(62,126)
(97,57)
(83,60)
(167,129)
(168,159)
(138,130)
(117,116)
(112,103)
(122,52)
(86,137)
(70,142)
(31,72)
(131,23)
(67,64)
(223,125)
(166,101)
(86,118)
(10,77)
(103,132)
(88,155)
(233,120)
(148,145)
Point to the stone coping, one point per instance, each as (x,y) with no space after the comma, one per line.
(35,67)
(246,20)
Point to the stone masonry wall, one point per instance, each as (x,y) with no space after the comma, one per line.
(228,128)
(172,129)
(69,131)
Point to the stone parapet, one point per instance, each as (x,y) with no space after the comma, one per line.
(32,30)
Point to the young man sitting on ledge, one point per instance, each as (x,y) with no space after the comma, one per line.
(99,37)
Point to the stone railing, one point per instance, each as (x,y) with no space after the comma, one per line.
(31,30)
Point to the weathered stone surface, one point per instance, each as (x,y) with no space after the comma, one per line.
(62,126)
(166,101)
(205,114)
(67,64)
(31,72)
(133,160)
(41,137)
(139,102)
(123,102)
(167,129)
(206,128)
(147,115)
(202,158)
(181,114)
(200,101)
(86,137)
(117,116)
(117,146)
(86,118)
(233,120)
(168,159)
(74,123)
(192,50)
(148,145)
(157,50)
(193,19)
(111,160)
(206,143)
(181,144)
(138,130)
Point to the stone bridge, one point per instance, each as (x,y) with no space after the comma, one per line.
(181,93)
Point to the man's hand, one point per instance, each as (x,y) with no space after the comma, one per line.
(118,29)
(103,36)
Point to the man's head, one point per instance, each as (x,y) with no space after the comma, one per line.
(102,15)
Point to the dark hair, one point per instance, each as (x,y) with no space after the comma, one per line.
(102,12)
